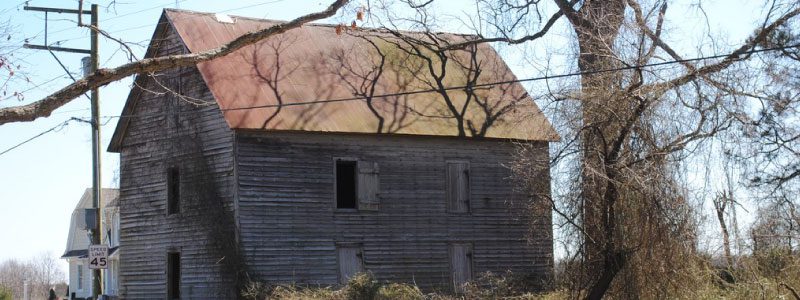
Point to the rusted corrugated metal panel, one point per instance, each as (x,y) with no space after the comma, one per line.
(277,84)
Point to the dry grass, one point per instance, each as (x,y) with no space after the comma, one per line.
(766,276)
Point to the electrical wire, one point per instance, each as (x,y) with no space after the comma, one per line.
(54,128)
(34,87)
(144,10)
(150,25)
(120,16)
(547,77)
(531,79)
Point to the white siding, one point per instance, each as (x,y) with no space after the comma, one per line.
(85,285)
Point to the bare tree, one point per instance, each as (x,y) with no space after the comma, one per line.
(11,70)
(769,132)
(777,228)
(630,126)
(41,273)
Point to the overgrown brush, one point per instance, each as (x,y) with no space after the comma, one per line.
(360,287)
(767,275)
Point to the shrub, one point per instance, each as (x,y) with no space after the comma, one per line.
(256,291)
(496,286)
(302,293)
(399,291)
(362,286)
(5,293)
(773,262)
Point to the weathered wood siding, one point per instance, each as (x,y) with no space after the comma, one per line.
(263,202)
(289,226)
(166,131)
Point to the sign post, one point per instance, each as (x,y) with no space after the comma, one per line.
(98,257)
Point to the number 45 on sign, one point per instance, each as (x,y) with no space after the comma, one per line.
(98,257)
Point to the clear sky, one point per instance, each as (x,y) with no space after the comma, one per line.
(41,181)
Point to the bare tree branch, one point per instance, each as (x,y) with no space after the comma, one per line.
(45,106)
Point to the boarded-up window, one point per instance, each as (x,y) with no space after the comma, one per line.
(173,191)
(368,185)
(350,260)
(457,186)
(460,265)
(174,275)
(345,184)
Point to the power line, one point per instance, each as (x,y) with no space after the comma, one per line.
(144,10)
(70,111)
(54,128)
(120,16)
(531,79)
(251,6)
(150,25)
(546,77)
(112,18)
(34,87)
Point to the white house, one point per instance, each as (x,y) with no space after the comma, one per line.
(80,276)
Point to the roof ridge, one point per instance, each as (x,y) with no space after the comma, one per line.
(331,25)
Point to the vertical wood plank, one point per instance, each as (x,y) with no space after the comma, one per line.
(350,262)
(460,265)
(368,185)
(458,189)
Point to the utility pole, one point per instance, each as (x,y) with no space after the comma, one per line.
(96,187)
(95,123)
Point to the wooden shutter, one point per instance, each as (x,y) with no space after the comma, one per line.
(460,265)
(458,187)
(368,185)
(350,262)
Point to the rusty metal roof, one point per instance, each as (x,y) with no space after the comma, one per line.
(283,83)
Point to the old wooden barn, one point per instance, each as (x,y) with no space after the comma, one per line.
(312,156)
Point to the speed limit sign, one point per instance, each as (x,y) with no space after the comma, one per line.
(98,257)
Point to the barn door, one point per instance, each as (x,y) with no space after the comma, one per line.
(457,186)
(460,265)
(350,262)
(368,185)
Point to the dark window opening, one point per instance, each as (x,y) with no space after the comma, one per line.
(173,191)
(346,184)
(174,275)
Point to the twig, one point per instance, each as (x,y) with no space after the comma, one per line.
(791,289)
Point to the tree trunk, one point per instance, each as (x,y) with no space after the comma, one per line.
(720,203)
(597,25)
